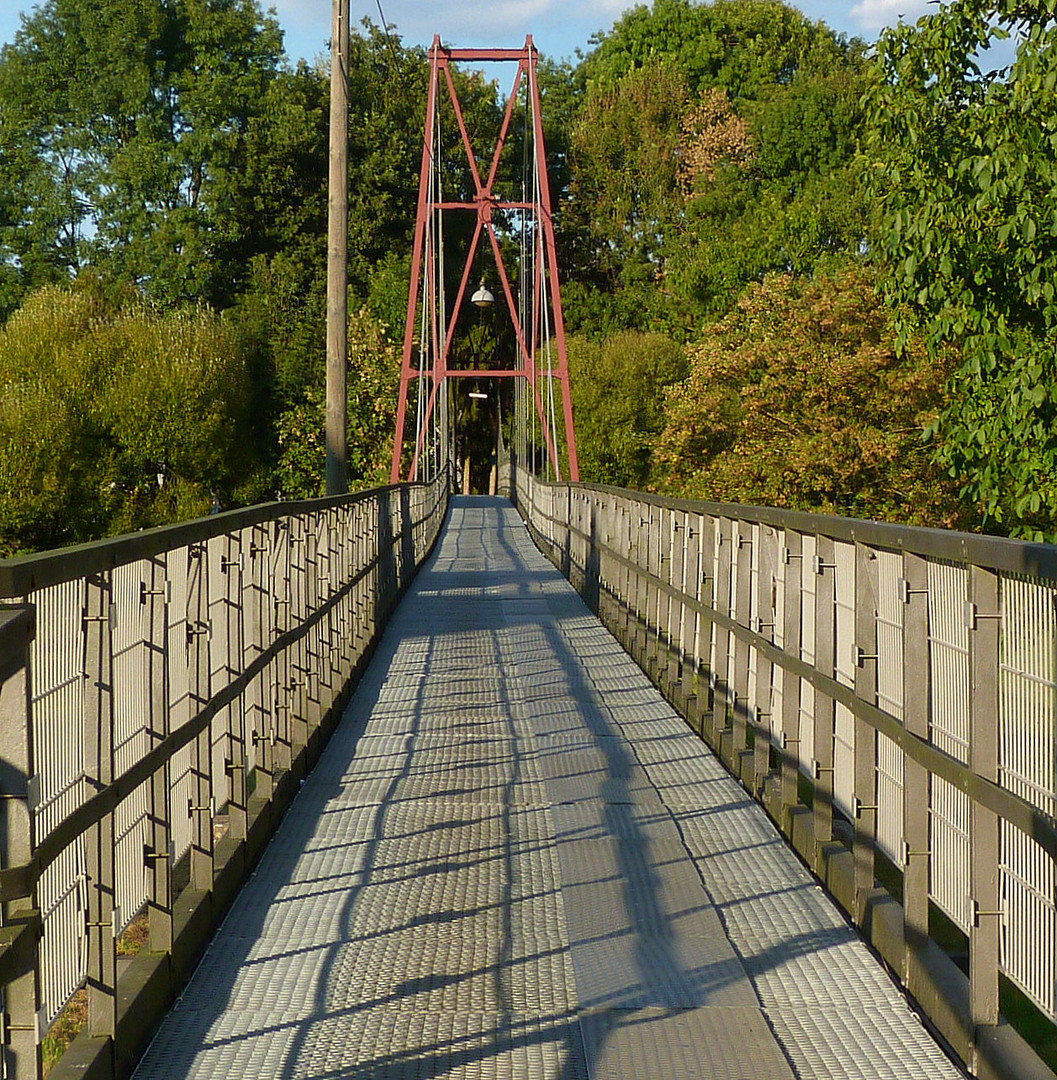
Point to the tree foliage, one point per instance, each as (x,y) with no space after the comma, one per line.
(715,144)
(618,387)
(123,139)
(965,176)
(115,417)
(798,398)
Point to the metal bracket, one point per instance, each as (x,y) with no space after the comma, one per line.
(165,592)
(859,657)
(211,809)
(37,1027)
(978,914)
(906,592)
(972,616)
(787,742)
(199,629)
(788,556)
(859,807)
(817,769)
(757,625)
(820,565)
(113,924)
(149,854)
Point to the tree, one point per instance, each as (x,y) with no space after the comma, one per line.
(374,376)
(114,416)
(746,46)
(799,399)
(715,144)
(963,169)
(618,387)
(122,140)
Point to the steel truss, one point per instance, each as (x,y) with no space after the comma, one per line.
(539,326)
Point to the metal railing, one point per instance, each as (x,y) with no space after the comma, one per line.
(155,691)
(891,687)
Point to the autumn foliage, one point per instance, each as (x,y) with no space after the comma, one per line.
(798,399)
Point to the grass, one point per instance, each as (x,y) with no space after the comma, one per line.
(74,1017)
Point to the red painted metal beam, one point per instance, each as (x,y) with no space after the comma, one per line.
(485,203)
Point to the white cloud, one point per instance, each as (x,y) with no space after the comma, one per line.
(872,15)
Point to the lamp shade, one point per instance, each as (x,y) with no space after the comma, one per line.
(482,298)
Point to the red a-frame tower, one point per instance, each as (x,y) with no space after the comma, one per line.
(542,360)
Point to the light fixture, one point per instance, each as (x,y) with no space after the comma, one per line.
(477,394)
(482,298)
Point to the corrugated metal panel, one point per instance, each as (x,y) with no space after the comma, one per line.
(844,722)
(806,583)
(177,573)
(1028,691)
(131,737)
(949,844)
(57,664)
(949,657)
(1029,924)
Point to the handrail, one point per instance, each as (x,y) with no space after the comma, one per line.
(154,687)
(906,678)
(23,574)
(995,552)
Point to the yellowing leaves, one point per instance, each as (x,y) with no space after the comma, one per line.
(798,399)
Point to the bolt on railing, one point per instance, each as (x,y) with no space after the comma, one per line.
(160,691)
(905,678)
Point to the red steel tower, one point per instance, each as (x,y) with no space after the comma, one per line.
(541,361)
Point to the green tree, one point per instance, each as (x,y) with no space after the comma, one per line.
(374,376)
(618,393)
(746,46)
(114,416)
(963,169)
(123,140)
(798,398)
(715,144)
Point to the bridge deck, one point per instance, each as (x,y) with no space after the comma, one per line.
(514,860)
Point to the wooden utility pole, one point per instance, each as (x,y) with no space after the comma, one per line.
(337,254)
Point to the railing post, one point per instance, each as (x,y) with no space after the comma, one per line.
(742,550)
(865,762)
(689,643)
(202,806)
(792,632)
(281,756)
(825,645)
(985,932)
(158,856)
(625,541)
(726,538)
(297,686)
(916,694)
(259,615)
(232,650)
(765,559)
(21,1047)
(102,918)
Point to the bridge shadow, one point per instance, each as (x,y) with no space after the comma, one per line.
(371,994)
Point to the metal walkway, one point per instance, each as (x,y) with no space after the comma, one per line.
(514,860)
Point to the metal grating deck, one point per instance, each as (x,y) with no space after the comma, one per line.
(515,863)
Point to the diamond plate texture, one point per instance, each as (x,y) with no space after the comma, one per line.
(513,862)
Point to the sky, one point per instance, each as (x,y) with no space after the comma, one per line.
(558,27)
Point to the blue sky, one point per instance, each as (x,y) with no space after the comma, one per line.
(558,27)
